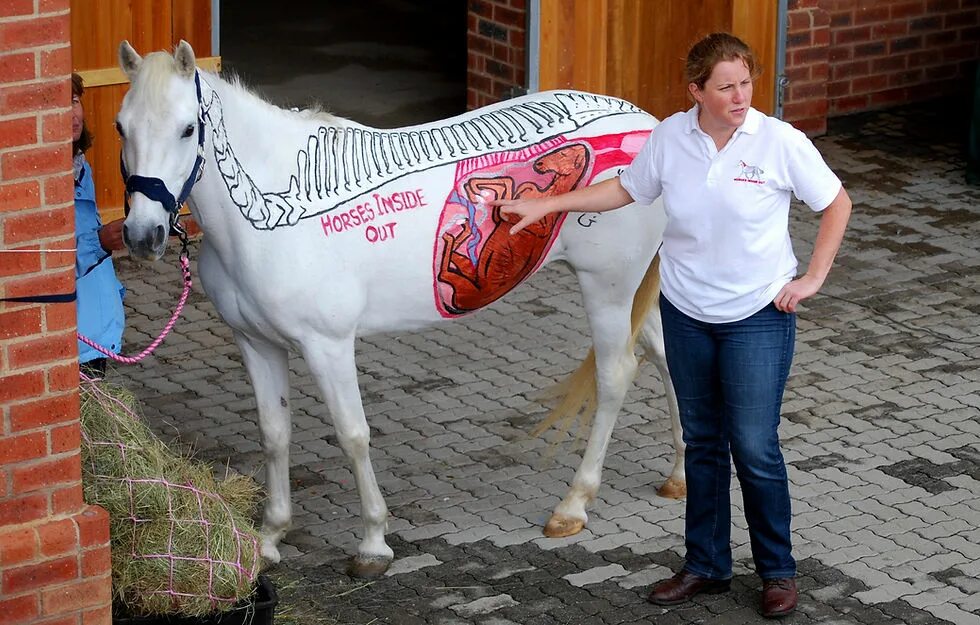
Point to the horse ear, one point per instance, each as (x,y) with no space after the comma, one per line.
(129,60)
(184,57)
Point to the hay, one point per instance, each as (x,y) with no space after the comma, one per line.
(182,542)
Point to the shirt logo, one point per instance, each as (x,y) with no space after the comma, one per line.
(750,173)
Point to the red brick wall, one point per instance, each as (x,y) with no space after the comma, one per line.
(497,49)
(842,56)
(808,37)
(845,56)
(54,550)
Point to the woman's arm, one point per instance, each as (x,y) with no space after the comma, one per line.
(607,195)
(110,236)
(829,237)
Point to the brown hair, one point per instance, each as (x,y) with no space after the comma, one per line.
(85,141)
(714,49)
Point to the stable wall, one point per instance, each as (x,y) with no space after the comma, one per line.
(54,549)
(847,56)
(496,33)
(842,56)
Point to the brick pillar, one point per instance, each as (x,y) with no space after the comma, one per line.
(807,65)
(496,67)
(54,550)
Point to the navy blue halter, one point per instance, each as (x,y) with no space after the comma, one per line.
(155,189)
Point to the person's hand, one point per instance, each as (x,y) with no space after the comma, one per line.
(527,211)
(796,291)
(110,236)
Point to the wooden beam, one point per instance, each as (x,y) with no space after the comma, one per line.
(115,76)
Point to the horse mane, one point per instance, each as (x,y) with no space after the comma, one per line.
(315,111)
(158,67)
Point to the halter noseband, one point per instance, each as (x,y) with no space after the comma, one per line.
(155,189)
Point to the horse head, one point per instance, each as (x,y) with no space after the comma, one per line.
(162,134)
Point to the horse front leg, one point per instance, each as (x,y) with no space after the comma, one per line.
(652,340)
(332,364)
(609,318)
(268,369)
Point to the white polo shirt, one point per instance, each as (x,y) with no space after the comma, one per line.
(726,250)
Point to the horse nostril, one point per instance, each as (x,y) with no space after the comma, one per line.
(126,238)
(159,235)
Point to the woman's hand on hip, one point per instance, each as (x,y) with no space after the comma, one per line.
(796,291)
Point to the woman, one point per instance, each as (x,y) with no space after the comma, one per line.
(99,304)
(729,298)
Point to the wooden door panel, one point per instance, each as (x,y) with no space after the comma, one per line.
(591,71)
(635,49)
(94,24)
(560,44)
(755,22)
(151,26)
(97,27)
(192,23)
(101,105)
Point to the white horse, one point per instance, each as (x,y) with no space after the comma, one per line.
(318,230)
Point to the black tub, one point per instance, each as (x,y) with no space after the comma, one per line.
(259,610)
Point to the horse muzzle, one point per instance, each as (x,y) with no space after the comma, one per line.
(145,242)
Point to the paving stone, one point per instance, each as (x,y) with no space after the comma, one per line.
(596,575)
(953,614)
(408,565)
(484,605)
(645,577)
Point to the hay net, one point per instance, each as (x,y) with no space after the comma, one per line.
(182,541)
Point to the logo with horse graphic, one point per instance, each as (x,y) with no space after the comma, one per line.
(750,173)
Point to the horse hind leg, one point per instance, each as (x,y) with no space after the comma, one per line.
(332,364)
(609,318)
(651,338)
(267,367)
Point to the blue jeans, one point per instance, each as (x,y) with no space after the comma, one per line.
(729,379)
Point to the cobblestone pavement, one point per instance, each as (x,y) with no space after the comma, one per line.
(880,434)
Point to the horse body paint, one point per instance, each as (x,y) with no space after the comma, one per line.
(319,230)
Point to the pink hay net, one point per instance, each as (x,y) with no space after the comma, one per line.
(224,575)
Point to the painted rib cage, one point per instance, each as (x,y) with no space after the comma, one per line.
(341,163)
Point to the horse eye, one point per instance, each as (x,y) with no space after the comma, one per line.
(188,131)
(120,130)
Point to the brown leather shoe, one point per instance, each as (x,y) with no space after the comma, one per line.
(779,597)
(683,586)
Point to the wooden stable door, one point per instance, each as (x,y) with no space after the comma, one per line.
(635,49)
(97,27)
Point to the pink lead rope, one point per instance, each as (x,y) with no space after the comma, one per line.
(185,269)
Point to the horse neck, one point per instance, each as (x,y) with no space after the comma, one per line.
(261,129)
(246,115)
(236,114)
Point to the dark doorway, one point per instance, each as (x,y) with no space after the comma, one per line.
(384,63)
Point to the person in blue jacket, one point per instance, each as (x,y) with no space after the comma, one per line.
(100,294)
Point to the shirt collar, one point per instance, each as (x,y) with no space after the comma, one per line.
(753,119)
(78,166)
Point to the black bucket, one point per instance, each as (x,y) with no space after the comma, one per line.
(257,610)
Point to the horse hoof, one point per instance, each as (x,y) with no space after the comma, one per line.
(673,489)
(368,567)
(562,526)
(270,554)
